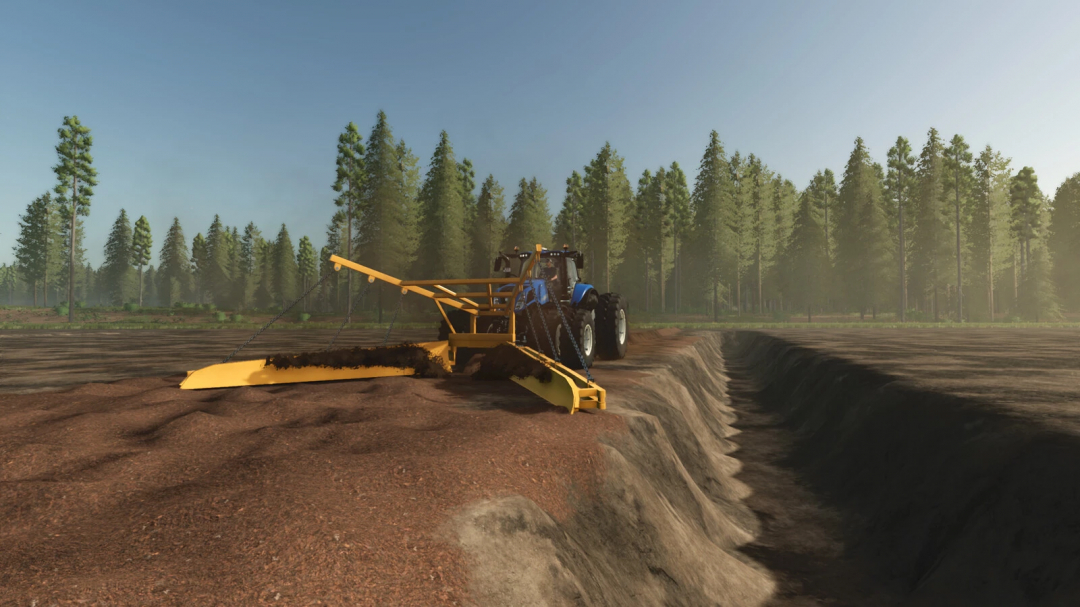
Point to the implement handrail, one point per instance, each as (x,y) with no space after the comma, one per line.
(446,296)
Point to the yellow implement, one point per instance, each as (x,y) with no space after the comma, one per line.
(567,387)
(258,373)
(480,297)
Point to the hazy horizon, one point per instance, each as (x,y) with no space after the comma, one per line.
(197,110)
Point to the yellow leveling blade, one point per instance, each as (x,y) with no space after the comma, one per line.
(258,373)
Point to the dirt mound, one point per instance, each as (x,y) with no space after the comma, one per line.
(406,356)
(298,494)
(951,500)
(505,361)
(665,525)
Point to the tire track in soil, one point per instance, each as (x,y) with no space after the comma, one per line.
(801,537)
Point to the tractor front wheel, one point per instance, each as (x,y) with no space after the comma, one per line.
(612,329)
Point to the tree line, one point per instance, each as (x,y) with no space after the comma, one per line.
(945,235)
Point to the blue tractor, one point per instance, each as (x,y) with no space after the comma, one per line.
(556,313)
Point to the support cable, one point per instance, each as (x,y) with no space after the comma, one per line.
(400,301)
(348,316)
(282,313)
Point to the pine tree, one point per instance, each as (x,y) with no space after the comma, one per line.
(1064,241)
(387,235)
(200,266)
(230,292)
(863,258)
(8,282)
(442,214)
(607,195)
(760,243)
(285,270)
(712,208)
(1026,201)
(957,163)
(488,227)
(648,257)
(633,277)
(349,184)
(76,175)
(899,185)
(117,267)
(679,197)
(174,269)
(32,245)
(305,266)
(151,286)
(784,204)
(55,264)
(467,177)
(217,278)
(991,242)
(931,250)
(61,254)
(805,266)
(335,235)
(264,291)
(530,222)
(569,224)
(740,224)
(247,267)
(1038,300)
(325,267)
(141,243)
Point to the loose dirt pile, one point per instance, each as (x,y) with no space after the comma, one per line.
(137,493)
(950,500)
(505,361)
(405,356)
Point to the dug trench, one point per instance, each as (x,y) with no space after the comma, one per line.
(873,489)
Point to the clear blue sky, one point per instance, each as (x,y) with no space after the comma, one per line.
(234,108)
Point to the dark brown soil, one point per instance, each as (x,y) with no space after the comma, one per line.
(138,492)
(406,356)
(505,361)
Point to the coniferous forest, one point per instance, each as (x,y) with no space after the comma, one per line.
(937,231)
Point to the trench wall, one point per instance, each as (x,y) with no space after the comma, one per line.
(954,501)
(662,529)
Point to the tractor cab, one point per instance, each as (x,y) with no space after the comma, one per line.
(559,269)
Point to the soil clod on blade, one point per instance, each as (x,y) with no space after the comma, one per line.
(505,361)
(406,356)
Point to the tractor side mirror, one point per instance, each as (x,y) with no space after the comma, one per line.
(500,264)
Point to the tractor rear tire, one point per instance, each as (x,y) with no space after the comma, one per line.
(612,330)
(583,328)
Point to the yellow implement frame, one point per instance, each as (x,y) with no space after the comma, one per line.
(567,389)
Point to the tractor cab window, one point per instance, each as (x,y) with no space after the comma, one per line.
(556,270)
(571,276)
(547,268)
